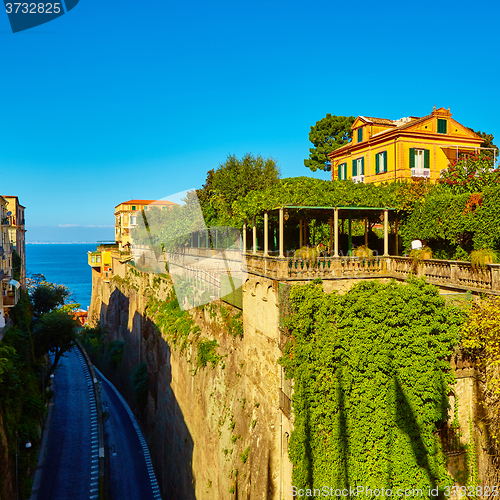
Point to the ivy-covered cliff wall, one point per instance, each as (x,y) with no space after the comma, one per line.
(205,387)
(382,394)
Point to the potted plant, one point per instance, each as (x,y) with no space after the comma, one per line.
(363,251)
(479,258)
(417,255)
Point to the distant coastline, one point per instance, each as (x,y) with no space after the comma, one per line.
(61,243)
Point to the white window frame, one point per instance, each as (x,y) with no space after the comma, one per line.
(382,165)
(419,159)
(343,171)
(360,165)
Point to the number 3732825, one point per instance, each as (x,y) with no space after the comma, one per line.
(486,491)
(33,8)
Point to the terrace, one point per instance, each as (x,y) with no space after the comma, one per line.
(288,227)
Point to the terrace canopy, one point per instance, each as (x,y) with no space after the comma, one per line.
(300,214)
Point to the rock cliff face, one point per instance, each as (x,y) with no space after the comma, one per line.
(7,476)
(214,431)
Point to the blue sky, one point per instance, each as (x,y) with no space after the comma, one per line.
(120,100)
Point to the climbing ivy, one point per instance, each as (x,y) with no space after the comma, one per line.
(371,378)
(172,321)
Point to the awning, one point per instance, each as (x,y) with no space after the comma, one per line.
(15,283)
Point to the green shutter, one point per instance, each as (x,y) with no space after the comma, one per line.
(360,134)
(412,157)
(362,166)
(385,161)
(376,163)
(345,171)
(427,158)
(354,169)
(340,170)
(442,126)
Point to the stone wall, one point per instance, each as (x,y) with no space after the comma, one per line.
(216,433)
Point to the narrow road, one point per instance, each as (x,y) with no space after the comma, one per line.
(67,468)
(130,472)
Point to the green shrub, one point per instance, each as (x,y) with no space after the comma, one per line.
(207,353)
(244,455)
(479,258)
(139,379)
(114,351)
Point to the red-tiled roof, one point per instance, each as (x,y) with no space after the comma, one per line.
(380,121)
(146,202)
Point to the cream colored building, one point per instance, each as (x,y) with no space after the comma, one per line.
(15,212)
(126,214)
(10,288)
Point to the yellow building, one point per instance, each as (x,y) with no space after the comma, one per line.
(101,261)
(126,219)
(388,150)
(17,232)
(10,288)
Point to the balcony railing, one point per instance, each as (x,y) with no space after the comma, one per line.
(358,178)
(420,172)
(452,274)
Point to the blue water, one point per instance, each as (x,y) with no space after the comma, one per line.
(63,265)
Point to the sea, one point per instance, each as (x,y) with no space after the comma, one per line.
(63,265)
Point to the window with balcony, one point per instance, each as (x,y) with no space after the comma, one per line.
(420,162)
(381,162)
(358,170)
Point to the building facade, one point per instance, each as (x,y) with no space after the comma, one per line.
(384,150)
(15,213)
(126,214)
(10,270)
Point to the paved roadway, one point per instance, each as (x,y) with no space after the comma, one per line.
(66,471)
(130,473)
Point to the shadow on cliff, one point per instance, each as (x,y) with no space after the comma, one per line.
(169,440)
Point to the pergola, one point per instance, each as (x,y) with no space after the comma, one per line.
(332,215)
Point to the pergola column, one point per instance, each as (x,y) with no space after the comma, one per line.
(349,235)
(244,237)
(386,233)
(366,232)
(254,236)
(330,245)
(396,250)
(300,234)
(266,235)
(336,232)
(282,254)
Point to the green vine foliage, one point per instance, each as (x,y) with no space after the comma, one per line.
(451,217)
(172,321)
(371,379)
(139,380)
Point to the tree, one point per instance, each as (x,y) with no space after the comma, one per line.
(488,142)
(48,297)
(45,295)
(470,174)
(327,135)
(55,332)
(233,180)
